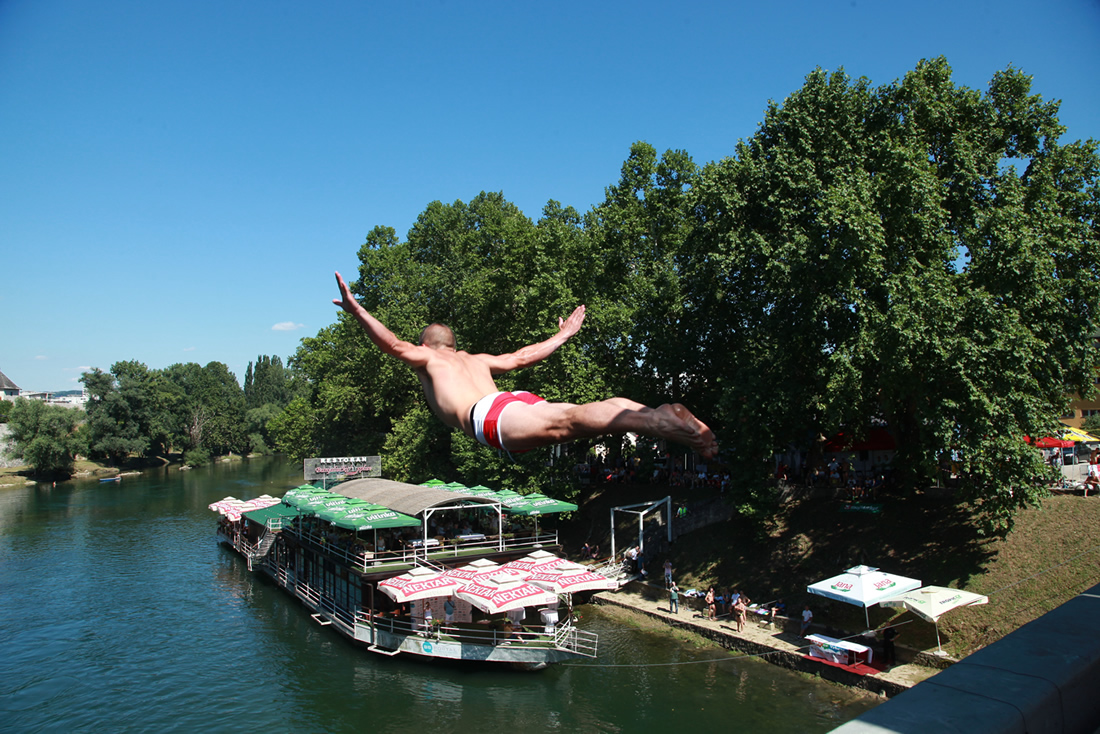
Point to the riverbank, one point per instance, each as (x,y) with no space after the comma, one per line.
(19,475)
(1048,558)
(779,645)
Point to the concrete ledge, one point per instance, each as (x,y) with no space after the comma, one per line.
(785,658)
(1044,677)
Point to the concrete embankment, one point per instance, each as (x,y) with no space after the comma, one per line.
(1043,677)
(780,645)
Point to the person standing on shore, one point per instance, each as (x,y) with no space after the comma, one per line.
(889,654)
(674,598)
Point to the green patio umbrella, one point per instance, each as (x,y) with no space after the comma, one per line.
(305,490)
(309,501)
(535,505)
(539,504)
(375,517)
(334,510)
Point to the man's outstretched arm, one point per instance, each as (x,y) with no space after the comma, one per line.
(386,340)
(534,353)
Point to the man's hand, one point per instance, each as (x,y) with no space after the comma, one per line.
(347,302)
(570,326)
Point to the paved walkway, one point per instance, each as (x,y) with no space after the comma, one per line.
(776,646)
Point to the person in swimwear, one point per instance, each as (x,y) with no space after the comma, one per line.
(460,389)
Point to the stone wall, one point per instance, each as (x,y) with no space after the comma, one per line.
(7,448)
(1041,678)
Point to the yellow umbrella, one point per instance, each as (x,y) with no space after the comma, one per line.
(1076,434)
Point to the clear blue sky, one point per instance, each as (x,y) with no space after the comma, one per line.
(179,179)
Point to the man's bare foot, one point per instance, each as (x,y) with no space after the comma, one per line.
(676,423)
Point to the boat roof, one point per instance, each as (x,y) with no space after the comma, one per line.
(411,499)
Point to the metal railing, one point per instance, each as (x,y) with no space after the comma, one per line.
(368,561)
(564,637)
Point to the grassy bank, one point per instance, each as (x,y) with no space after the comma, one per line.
(1052,555)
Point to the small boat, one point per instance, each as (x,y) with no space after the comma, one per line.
(112,479)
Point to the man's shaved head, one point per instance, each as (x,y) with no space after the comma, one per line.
(438,336)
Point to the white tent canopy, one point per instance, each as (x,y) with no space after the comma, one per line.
(863,586)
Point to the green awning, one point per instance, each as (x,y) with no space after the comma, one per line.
(268,513)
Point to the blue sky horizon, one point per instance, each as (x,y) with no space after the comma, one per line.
(180,180)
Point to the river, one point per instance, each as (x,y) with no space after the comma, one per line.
(119,612)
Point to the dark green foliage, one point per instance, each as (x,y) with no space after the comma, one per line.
(293,430)
(269,383)
(196,457)
(136,411)
(835,236)
(120,411)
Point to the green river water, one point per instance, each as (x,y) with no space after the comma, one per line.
(119,612)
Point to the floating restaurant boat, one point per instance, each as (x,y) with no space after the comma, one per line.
(429,571)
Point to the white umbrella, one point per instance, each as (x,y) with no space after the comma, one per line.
(469,572)
(570,578)
(503,592)
(233,508)
(540,560)
(863,586)
(418,583)
(932,602)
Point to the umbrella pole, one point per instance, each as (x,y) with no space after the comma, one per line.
(867,617)
(939,649)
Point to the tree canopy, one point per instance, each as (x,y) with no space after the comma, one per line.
(133,410)
(918,255)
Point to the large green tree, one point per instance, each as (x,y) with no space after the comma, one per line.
(46,436)
(922,254)
(122,412)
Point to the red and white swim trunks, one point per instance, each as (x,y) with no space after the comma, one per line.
(485,415)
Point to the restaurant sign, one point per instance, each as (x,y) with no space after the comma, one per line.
(342,467)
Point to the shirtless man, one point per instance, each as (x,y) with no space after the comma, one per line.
(460,389)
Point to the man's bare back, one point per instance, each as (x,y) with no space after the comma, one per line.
(460,389)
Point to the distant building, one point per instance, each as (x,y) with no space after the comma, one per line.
(8,389)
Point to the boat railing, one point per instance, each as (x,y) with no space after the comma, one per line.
(580,641)
(313,598)
(367,561)
(564,637)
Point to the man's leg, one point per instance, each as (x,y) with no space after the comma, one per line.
(523,427)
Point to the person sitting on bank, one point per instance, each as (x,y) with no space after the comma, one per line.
(460,390)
